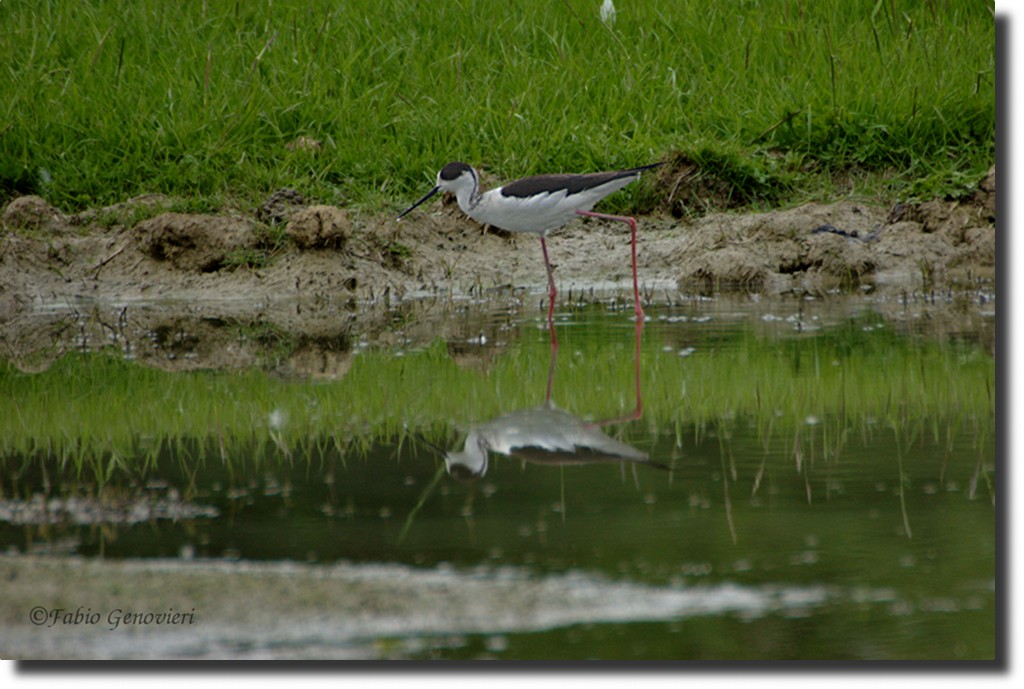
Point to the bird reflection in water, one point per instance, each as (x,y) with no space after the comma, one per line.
(548,435)
(541,435)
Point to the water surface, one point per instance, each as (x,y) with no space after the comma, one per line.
(797,479)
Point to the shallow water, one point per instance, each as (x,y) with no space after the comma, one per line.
(675,531)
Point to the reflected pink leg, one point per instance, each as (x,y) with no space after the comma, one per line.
(551,370)
(636,366)
(552,293)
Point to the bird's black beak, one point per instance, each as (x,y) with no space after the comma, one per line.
(407,210)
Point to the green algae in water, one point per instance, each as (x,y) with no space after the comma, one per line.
(852,378)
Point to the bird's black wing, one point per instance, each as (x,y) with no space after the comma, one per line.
(571,184)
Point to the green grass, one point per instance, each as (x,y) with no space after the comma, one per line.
(829,386)
(103,101)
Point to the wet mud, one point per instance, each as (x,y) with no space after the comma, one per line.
(221,289)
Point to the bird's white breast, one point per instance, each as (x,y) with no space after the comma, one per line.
(539,214)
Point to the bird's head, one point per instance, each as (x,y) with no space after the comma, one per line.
(457,178)
(471,462)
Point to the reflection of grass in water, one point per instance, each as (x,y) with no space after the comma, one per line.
(817,391)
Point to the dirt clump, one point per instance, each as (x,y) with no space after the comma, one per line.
(280,206)
(319,227)
(691,187)
(818,247)
(34,214)
(194,243)
(810,247)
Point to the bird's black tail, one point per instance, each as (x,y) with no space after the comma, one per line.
(638,170)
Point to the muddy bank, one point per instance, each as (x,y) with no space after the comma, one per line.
(326,279)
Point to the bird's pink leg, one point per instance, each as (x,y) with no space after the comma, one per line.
(552,293)
(632,226)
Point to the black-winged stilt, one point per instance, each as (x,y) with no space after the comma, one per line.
(541,435)
(540,205)
(549,435)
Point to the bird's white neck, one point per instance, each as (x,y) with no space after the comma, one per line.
(468,197)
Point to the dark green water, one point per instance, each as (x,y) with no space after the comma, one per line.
(839,538)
